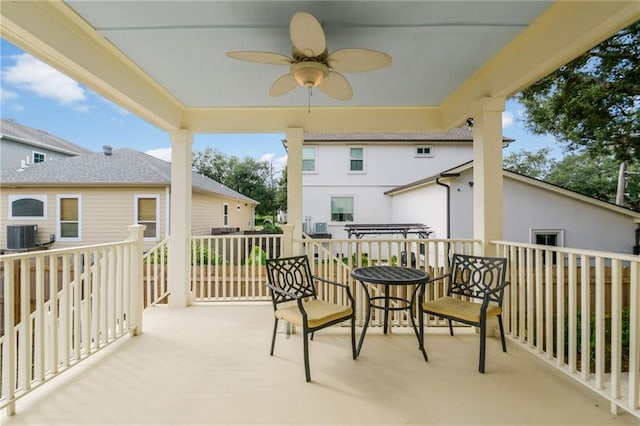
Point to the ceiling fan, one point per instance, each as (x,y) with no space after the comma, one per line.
(311,64)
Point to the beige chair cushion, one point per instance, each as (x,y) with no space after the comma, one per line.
(463,309)
(318,313)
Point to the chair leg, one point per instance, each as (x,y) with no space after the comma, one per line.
(353,337)
(421,333)
(504,345)
(483,336)
(273,339)
(450,327)
(305,341)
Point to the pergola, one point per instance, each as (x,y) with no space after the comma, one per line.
(452,60)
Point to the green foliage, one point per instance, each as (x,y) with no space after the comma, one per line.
(256,257)
(270,227)
(354,260)
(529,163)
(625,336)
(592,102)
(248,176)
(158,257)
(202,256)
(281,191)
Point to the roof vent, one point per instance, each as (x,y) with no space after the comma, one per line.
(107,149)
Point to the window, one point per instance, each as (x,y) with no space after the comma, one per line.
(342,209)
(308,159)
(225,214)
(424,151)
(38,157)
(147,213)
(548,237)
(32,207)
(356,159)
(69,221)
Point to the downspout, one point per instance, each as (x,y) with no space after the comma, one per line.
(446,175)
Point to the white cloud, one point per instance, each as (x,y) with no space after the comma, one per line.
(7,95)
(507,119)
(280,163)
(161,153)
(30,74)
(267,157)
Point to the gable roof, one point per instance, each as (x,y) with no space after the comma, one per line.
(455,171)
(11,130)
(457,134)
(124,167)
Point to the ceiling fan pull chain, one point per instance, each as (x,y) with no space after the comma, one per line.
(309,101)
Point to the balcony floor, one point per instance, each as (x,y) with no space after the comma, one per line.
(210,364)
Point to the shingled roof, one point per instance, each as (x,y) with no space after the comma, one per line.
(11,130)
(124,167)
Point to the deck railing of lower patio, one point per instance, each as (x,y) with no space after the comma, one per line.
(579,310)
(62,306)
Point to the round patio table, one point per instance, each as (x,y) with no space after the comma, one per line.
(389,276)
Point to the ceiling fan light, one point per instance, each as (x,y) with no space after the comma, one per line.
(309,74)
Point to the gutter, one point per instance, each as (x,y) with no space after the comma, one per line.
(447,175)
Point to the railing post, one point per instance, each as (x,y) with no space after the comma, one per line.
(287,240)
(136,235)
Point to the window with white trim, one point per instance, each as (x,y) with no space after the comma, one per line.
(38,157)
(225,214)
(548,237)
(27,207)
(342,209)
(147,213)
(356,159)
(424,151)
(69,224)
(309,159)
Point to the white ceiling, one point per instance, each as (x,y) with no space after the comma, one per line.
(434,45)
(166,60)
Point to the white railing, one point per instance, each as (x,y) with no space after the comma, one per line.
(155,274)
(231,267)
(61,306)
(579,310)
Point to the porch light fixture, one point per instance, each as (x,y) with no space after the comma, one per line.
(309,74)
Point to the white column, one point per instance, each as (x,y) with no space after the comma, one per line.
(487,172)
(295,138)
(180,219)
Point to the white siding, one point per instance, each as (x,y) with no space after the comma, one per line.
(426,205)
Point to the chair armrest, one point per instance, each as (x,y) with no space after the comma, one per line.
(429,281)
(337,284)
(500,287)
(331,282)
(283,292)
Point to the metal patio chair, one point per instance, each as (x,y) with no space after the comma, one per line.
(474,294)
(295,300)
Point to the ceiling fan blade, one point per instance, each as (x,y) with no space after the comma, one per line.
(261,57)
(336,86)
(282,85)
(307,35)
(358,60)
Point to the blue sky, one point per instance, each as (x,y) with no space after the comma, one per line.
(36,95)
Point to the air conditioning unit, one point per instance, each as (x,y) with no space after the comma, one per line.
(320,228)
(21,236)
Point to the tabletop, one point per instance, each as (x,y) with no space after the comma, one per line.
(390,275)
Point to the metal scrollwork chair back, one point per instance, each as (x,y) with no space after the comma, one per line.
(474,294)
(295,300)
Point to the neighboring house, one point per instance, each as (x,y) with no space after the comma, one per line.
(345,176)
(381,179)
(21,146)
(534,211)
(91,199)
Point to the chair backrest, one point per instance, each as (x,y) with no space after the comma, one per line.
(474,276)
(291,274)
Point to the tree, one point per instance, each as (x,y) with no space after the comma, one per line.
(593,102)
(533,164)
(281,191)
(249,177)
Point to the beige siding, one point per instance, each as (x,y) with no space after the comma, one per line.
(106,213)
(207,213)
